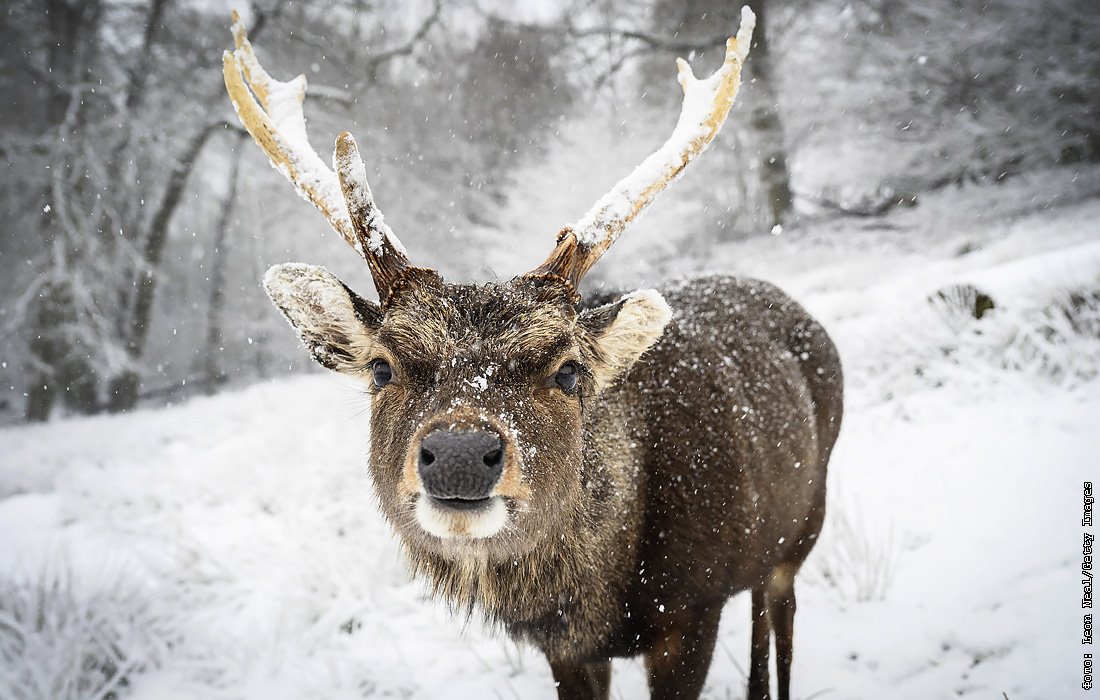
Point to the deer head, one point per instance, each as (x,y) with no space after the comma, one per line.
(477,391)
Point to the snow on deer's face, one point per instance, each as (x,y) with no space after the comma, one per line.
(478,396)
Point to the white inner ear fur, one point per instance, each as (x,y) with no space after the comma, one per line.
(637,327)
(320,310)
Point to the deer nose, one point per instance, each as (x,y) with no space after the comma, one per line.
(460,469)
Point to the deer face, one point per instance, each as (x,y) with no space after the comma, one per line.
(478,392)
(478,395)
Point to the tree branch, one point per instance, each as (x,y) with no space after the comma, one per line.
(645,43)
(380,59)
(145,285)
(655,43)
(138,72)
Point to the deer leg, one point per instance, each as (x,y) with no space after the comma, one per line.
(677,664)
(759,682)
(578,680)
(781,607)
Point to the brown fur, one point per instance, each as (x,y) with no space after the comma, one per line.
(637,506)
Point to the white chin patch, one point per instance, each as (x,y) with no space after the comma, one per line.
(458,524)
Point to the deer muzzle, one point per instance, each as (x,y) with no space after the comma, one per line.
(459,469)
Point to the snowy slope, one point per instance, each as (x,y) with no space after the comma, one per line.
(231,547)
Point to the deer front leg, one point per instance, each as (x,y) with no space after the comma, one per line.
(677,664)
(582,680)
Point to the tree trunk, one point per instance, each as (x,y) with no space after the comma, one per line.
(123,391)
(767,122)
(214,375)
(61,366)
(40,398)
(124,386)
(56,361)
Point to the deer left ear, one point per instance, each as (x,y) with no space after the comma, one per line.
(622,331)
(337,326)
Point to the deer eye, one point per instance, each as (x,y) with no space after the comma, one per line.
(383,373)
(566,378)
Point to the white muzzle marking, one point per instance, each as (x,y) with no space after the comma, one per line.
(456,524)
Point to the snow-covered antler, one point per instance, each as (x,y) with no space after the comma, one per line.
(272,112)
(706,104)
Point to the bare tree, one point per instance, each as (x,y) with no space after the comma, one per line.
(213,374)
(118,155)
(1003,89)
(89,308)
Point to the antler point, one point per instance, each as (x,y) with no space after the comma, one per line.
(684,75)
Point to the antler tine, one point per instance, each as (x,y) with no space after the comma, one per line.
(271,111)
(385,255)
(706,104)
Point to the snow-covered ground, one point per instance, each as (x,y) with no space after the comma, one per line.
(231,547)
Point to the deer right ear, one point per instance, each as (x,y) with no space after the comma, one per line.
(623,331)
(337,326)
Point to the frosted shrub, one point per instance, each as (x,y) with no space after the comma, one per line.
(963,336)
(1059,339)
(1054,333)
(58,642)
(960,304)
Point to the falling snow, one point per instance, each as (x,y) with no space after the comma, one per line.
(242,528)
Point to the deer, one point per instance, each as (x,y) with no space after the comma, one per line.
(596,474)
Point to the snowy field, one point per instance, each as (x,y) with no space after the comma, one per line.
(231,547)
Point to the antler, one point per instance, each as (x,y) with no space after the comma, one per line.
(706,104)
(272,112)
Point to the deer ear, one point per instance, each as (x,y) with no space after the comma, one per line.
(622,331)
(337,326)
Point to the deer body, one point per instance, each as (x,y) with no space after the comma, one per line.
(597,477)
(703,474)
